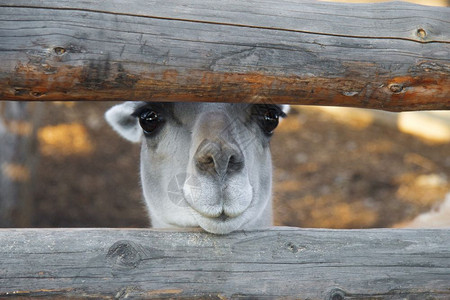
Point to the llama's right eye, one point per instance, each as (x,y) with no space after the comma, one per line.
(150,121)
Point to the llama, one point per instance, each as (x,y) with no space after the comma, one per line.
(203,165)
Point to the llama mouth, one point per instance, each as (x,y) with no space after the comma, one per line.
(214,212)
(222,224)
(223,217)
(212,208)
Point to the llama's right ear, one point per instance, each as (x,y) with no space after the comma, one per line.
(121,118)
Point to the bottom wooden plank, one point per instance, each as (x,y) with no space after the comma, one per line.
(278,262)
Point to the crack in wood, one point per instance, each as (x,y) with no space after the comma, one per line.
(420,40)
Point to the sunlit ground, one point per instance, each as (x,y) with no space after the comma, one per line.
(348,168)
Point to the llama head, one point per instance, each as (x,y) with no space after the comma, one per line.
(203,164)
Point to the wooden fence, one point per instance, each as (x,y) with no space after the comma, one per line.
(390,56)
(288,263)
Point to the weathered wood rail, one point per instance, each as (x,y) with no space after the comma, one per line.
(280,262)
(391,56)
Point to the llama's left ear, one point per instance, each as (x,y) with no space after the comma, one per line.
(121,118)
(285,108)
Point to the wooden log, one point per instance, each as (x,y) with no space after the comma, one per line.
(390,56)
(18,160)
(274,263)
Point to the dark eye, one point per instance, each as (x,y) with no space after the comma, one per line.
(267,117)
(150,121)
(270,121)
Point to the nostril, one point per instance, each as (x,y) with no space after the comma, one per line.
(205,162)
(218,157)
(235,163)
(208,160)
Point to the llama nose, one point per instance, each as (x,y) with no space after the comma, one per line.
(218,158)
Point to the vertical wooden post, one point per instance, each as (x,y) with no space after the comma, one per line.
(18,155)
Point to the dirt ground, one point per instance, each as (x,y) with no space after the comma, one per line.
(327,174)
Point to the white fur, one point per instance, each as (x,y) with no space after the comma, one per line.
(218,202)
(119,117)
(286,108)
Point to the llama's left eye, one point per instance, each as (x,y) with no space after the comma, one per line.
(270,121)
(150,121)
(267,117)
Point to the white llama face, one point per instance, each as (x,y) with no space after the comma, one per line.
(202,164)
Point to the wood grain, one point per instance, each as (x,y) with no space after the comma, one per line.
(287,263)
(390,56)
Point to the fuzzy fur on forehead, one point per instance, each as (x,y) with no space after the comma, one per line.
(187,108)
(135,105)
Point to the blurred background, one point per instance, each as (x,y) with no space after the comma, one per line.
(61,165)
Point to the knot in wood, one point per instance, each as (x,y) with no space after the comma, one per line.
(396,88)
(59,50)
(124,254)
(421,33)
(291,247)
(336,294)
(37,94)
